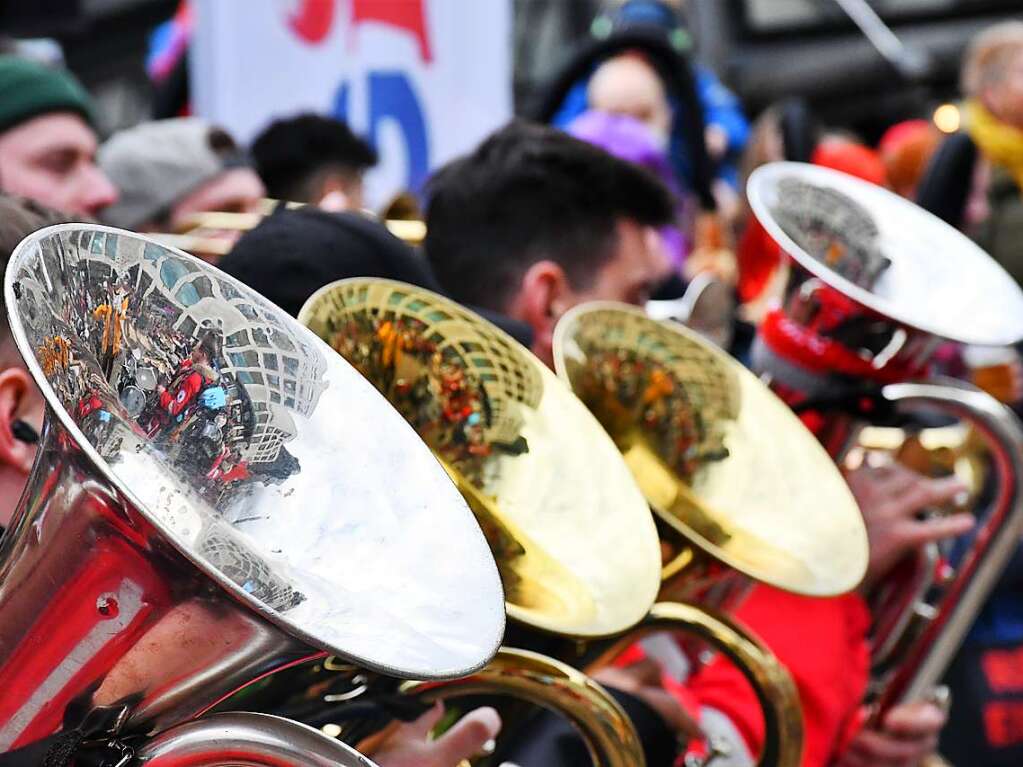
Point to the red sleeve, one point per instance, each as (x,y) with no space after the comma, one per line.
(823,644)
(758,256)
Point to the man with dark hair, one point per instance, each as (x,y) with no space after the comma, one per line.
(534,222)
(309,157)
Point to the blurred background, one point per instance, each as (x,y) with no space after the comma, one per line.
(762,49)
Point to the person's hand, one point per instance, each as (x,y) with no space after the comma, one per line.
(643,680)
(891,498)
(908,735)
(409,746)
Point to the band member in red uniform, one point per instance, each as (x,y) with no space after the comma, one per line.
(22,409)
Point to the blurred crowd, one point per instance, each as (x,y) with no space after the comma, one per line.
(627,184)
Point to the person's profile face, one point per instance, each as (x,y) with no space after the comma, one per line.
(51,159)
(640,262)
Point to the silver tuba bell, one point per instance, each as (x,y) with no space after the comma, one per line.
(216,495)
(877,285)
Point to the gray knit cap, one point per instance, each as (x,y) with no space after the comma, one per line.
(155,165)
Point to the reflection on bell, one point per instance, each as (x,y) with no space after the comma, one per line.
(573,537)
(720,459)
(211,490)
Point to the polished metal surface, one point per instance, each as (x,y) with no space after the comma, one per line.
(720,459)
(605,728)
(927,643)
(238,511)
(571,532)
(887,254)
(246,740)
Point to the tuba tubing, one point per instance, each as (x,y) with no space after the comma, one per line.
(928,654)
(605,728)
(246,740)
(771,682)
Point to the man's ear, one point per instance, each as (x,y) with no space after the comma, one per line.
(15,385)
(544,295)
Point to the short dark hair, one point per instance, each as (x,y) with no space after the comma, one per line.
(291,154)
(529,193)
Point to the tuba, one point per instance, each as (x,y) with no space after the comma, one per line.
(575,545)
(728,471)
(571,531)
(608,734)
(212,500)
(877,285)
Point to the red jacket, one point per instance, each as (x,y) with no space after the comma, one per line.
(823,644)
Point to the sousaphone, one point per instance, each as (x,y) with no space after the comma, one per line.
(213,498)
(877,286)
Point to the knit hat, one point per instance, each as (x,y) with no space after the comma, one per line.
(156,164)
(293,253)
(29,89)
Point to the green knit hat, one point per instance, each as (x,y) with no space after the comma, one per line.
(28,89)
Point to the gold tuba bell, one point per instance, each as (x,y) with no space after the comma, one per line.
(212,500)
(571,531)
(741,491)
(575,545)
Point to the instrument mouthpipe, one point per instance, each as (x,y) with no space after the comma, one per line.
(928,656)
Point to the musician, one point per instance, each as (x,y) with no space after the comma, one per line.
(48,139)
(311,158)
(530,224)
(167,170)
(22,409)
(534,222)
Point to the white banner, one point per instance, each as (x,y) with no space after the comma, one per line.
(422,80)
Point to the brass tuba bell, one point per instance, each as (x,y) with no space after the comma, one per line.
(741,491)
(212,499)
(571,531)
(574,542)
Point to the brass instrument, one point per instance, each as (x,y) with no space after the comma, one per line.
(876,286)
(211,501)
(245,740)
(204,234)
(741,491)
(529,459)
(570,530)
(210,235)
(543,681)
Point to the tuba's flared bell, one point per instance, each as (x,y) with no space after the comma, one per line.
(216,494)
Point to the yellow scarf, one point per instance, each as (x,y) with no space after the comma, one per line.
(999,142)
